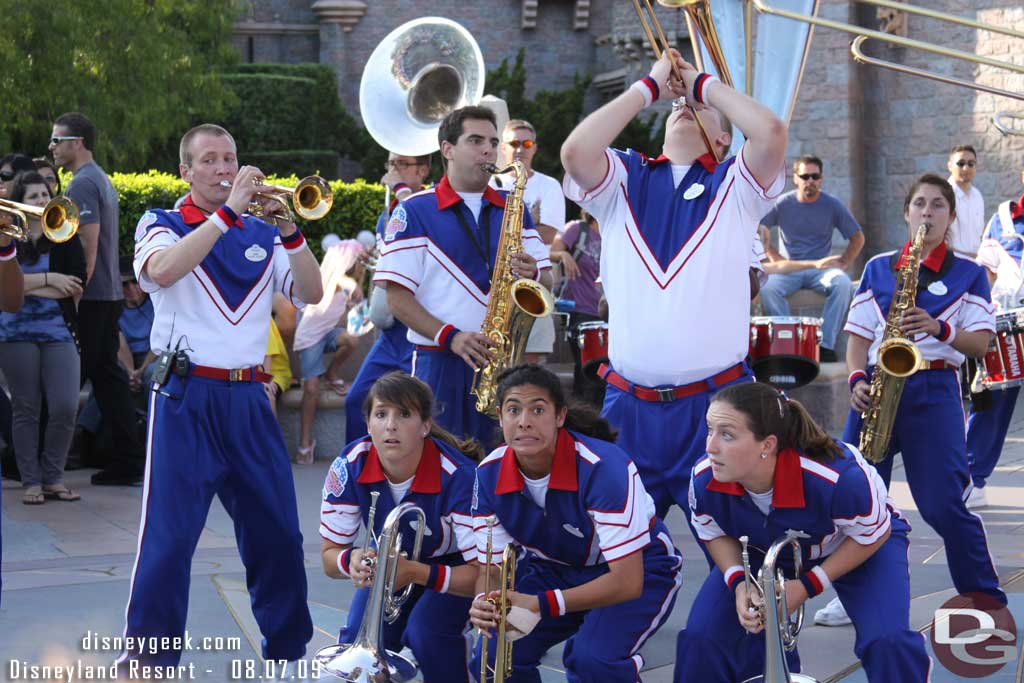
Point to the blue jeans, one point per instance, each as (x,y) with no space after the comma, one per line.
(833,284)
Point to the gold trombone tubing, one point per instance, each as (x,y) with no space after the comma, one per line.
(866,33)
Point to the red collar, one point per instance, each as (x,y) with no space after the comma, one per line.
(705,160)
(1017,208)
(932,263)
(788,484)
(193,215)
(428,473)
(446,196)
(563,468)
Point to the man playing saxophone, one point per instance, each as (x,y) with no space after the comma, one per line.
(438,261)
(951,316)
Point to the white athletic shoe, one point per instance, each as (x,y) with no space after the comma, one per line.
(977,499)
(832,614)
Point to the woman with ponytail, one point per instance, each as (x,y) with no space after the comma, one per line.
(770,468)
(599,569)
(407,458)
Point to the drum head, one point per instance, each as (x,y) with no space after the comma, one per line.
(785,372)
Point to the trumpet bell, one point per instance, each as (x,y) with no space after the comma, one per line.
(312,198)
(360,664)
(416,76)
(60,219)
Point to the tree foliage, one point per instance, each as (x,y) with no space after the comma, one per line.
(136,68)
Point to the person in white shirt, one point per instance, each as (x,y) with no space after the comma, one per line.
(966,232)
(544,199)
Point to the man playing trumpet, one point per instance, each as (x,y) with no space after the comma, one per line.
(211,271)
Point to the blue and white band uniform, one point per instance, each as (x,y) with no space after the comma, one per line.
(227,297)
(675,257)
(433,621)
(830,503)
(951,288)
(427,252)
(594,510)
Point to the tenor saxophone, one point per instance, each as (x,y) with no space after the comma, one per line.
(898,359)
(514,302)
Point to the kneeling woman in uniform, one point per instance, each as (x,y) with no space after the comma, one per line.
(599,568)
(407,458)
(769,469)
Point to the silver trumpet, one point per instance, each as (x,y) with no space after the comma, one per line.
(781,630)
(366,660)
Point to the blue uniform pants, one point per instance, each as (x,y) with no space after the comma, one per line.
(214,438)
(665,440)
(390,351)
(986,432)
(451,379)
(929,431)
(603,644)
(433,625)
(714,648)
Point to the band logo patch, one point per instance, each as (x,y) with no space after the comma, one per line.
(148,219)
(337,477)
(398,223)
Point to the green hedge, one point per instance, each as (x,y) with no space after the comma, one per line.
(288,161)
(272,125)
(356,207)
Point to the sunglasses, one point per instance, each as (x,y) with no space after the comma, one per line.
(57,139)
(809,176)
(525,144)
(969,164)
(7,176)
(394,163)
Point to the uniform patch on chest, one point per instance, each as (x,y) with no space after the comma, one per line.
(256,253)
(573,530)
(938,288)
(693,191)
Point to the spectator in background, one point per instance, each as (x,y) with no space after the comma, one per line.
(578,250)
(10,166)
(322,329)
(71,145)
(38,352)
(544,200)
(277,364)
(966,232)
(806,218)
(136,324)
(46,169)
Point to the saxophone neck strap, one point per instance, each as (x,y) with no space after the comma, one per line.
(483,249)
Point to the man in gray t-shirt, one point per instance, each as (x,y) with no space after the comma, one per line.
(74,137)
(806,218)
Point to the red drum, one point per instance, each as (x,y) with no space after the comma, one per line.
(1004,362)
(784,350)
(593,340)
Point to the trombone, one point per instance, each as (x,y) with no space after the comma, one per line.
(864,34)
(59,218)
(312,198)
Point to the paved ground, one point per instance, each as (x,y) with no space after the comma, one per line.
(67,566)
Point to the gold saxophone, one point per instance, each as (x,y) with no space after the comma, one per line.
(514,302)
(898,359)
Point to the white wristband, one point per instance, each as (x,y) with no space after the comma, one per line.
(648,89)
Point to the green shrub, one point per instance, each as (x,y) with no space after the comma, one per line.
(322,162)
(356,206)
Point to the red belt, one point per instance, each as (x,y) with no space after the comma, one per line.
(424,347)
(234,375)
(668,394)
(939,365)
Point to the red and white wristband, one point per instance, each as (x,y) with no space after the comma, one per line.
(8,252)
(343,562)
(224,218)
(857,376)
(445,336)
(701,85)
(293,243)
(552,603)
(947,333)
(439,578)
(815,581)
(733,575)
(648,89)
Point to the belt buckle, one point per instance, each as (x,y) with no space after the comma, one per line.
(236,374)
(666,395)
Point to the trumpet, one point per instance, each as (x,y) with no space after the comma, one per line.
(502,668)
(59,218)
(312,198)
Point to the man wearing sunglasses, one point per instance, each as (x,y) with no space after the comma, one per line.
(806,218)
(966,231)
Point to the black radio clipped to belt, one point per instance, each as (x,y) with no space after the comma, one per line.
(176,361)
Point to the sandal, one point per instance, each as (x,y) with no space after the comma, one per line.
(61,492)
(338,386)
(307,455)
(33,495)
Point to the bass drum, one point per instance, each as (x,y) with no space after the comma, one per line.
(784,350)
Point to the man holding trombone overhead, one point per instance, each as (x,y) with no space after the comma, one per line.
(212,270)
(677,233)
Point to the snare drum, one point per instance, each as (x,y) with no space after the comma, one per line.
(1004,362)
(784,350)
(593,340)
